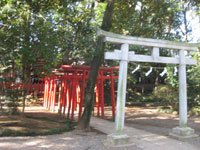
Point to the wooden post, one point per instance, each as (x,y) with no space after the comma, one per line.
(112,93)
(97,97)
(54,95)
(74,98)
(70,98)
(64,96)
(59,96)
(82,94)
(102,94)
(44,94)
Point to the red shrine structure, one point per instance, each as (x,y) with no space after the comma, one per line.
(65,87)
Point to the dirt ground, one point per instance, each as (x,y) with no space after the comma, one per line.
(36,119)
(144,118)
(152,120)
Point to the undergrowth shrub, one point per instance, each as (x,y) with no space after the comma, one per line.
(167,96)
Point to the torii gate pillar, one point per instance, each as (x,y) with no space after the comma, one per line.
(119,137)
(182,132)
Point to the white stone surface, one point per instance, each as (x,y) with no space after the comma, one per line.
(183,133)
(182,90)
(121,94)
(121,39)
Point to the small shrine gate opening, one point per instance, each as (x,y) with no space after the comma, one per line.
(124,56)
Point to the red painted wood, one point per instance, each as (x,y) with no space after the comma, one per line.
(74,99)
(61,96)
(102,94)
(51,95)
(67,94)
(112,94)
(73,94)
(48,93)
(82,94)
(54,95)
(64,96)
(70,98)
(45,92)
(97,97)
(78,95)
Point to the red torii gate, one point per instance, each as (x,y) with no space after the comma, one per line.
(69,82)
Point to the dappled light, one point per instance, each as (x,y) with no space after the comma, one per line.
(64,141)
(151,120)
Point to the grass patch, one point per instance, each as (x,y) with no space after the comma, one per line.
(167,110)
(42,118)
(195,111)
(65,126)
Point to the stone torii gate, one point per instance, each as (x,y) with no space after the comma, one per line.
(124,56)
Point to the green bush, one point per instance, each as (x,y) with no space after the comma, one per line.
(167,96)
(12,101)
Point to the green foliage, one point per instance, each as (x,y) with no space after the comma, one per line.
(194,111)
(172,79)
(25,36)
(153,19)
(167,95)
(12,101)
(167,110)
(193,83)
(10,96)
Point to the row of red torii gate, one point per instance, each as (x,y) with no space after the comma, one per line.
(64,90)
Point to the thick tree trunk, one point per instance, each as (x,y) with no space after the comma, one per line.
(94,67)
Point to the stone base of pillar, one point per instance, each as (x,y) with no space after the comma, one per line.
(117,140)
(183,134)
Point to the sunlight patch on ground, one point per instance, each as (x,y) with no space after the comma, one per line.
(46,146)
(197,121)
(67,138)
(10,144)
(32,143)
(9,121)
(146,118)
(17,128)
(151,138)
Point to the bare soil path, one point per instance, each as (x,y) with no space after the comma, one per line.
(151,120)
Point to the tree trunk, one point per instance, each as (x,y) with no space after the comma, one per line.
(156,82)
(94,67)
(26,80)
(24,90)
